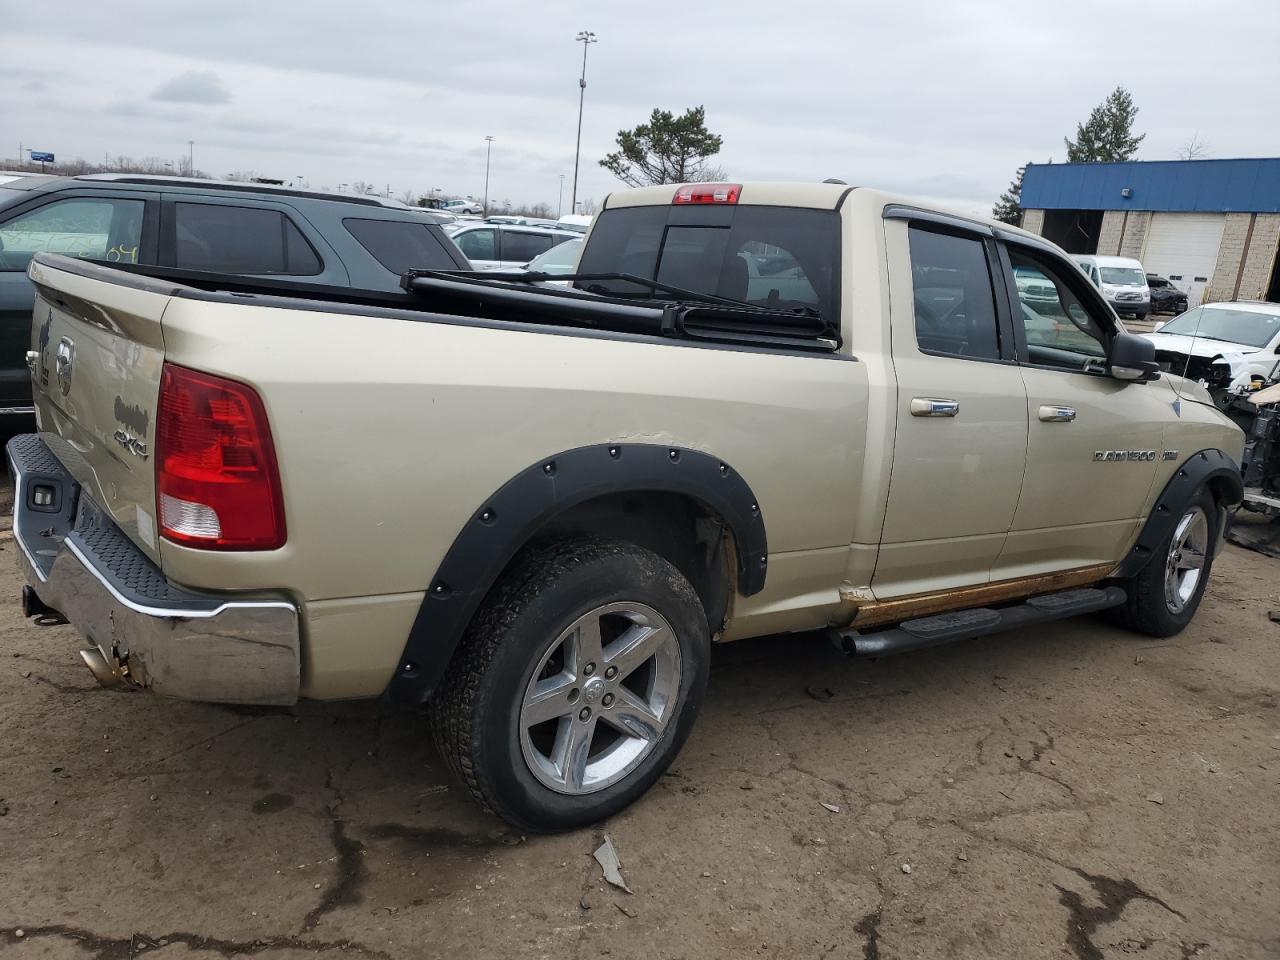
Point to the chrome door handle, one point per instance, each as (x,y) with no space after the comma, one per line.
(1052,413)
(932,407)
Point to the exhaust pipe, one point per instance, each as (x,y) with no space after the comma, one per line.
(102,669)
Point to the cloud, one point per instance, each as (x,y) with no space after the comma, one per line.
(932,97)
(194,86)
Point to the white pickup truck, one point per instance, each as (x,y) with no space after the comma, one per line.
(761,408)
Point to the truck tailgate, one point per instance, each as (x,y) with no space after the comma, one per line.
(96,372)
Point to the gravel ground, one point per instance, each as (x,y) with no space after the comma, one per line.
(1070,791)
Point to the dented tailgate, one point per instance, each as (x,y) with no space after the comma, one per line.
(97,354)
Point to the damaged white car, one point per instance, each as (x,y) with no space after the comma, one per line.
(1224,345)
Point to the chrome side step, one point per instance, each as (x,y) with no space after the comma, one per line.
(966,624)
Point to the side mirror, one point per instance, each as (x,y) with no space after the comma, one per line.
(1132,358)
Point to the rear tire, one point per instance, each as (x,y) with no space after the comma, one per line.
(576,684)
(1165,595)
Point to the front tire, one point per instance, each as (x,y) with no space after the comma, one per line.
(1166,594)
(576,684)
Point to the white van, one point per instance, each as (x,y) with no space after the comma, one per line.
(1122,281)
(577,222)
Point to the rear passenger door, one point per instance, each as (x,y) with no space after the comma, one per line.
(961,409)
(245,237)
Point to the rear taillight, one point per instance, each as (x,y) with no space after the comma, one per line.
(708,193)
(217,483)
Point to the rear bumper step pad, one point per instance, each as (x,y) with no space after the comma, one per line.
(967,624)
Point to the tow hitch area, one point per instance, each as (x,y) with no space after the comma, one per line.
(977,622)
(34,607)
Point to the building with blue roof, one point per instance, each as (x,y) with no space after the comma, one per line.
(1212,227)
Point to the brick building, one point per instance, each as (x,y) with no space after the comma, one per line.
(1211,226)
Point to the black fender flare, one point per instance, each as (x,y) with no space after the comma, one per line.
(507,520)
(1205,467)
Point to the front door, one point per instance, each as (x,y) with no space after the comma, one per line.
(1094,442)
(961,411)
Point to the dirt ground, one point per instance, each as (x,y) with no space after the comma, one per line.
(1070,791)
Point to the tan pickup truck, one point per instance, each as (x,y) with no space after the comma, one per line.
(761,408)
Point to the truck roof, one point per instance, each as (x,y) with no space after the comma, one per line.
(817,196)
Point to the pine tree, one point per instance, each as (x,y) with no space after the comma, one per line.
(1107,136)
(667,149)
(1009,207)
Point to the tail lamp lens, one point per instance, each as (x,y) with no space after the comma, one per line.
(217,481)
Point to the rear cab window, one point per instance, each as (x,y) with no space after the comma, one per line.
(400,245)
(776,258)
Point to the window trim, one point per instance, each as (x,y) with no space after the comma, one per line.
(168,253)
(149,241)
(996,269)
(1077,282)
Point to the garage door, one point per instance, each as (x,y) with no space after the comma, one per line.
(1184,248)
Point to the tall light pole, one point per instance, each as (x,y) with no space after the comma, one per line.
(488,150)
(586,38)
(191,158)
(560,198)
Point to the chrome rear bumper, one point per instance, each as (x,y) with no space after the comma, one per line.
(148,632)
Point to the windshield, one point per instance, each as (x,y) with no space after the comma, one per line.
(561,258)
(1251,327)
(1123,276)
(778,258)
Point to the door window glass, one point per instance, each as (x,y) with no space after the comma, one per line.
(524,246)
(248,240)
(400,245)
(954,305)
(95,229)
(478,244)
(1061,332)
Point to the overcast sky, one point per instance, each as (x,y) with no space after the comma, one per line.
(938,98)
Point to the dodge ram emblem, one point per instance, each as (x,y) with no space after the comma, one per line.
(63,362)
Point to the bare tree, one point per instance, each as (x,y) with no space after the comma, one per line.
(120,164)
(409,197)
(366,189)
(1194,149)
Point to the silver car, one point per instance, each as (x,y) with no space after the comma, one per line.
(500,246)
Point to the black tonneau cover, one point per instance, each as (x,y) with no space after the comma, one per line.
(467,294)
